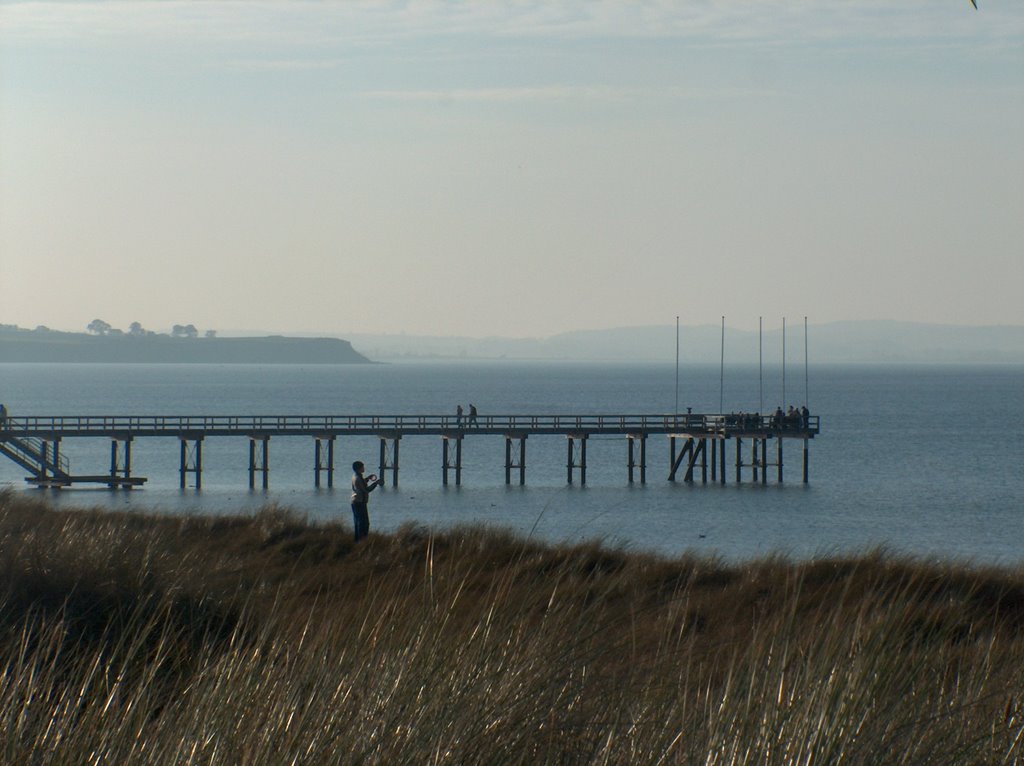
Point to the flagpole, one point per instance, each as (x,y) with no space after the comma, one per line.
(675,412)
(760,364)
(806,373)
(783,363)
(721,375)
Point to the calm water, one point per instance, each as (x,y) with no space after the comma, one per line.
(925,460)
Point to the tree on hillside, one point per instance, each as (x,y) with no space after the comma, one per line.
(136,329)
(184,331)
(99,327)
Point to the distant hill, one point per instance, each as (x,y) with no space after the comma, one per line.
(41,345)
(840,342)
(834,342)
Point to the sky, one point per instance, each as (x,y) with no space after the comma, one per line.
(510,168)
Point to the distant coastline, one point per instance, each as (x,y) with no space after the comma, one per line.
(44,345)
(851,342)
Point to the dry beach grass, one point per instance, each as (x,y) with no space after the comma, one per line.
(128,638)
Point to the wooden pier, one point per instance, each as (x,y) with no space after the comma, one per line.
(696,443)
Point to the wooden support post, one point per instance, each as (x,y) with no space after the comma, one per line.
(458,462)
(764,461)
(259,460)
(387,464)
(572,461)
(510,463)
(807,455)
(672,462)
(753,458)
(49,462)
(191,459)
(779,447)
(714,459)
(508,459)
(686,452)
(739,459)
(394,467)
(323,459)
(120,461)
(330,463)
(721,461)
(695,448)
(631,462)
(703,461)
(444,461)
(446,458)
(44,462)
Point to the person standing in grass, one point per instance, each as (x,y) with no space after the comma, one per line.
(362,486)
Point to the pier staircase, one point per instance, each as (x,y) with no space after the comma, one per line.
(35,456)
(48,468)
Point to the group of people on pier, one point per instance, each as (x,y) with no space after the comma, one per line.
(793,419)
(470,421)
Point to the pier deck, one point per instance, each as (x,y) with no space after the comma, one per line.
(33,442)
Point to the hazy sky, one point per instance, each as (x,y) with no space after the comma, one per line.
(510,168)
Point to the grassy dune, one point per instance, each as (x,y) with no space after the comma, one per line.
(269,640)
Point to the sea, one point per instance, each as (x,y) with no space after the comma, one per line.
(920,460)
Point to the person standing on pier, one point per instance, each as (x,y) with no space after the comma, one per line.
(3,416)
(458,416)
(472,414)
(362,486)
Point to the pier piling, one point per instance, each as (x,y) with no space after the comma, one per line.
(446,455)
(778,447)
(323,459)
(739,459)
(191,459)
(259,460)
(577,457)
(120,461)
(764,461)
(389,458)
(509,464)
(631,463)
(806,461)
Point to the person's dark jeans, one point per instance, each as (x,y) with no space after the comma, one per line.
(360,520)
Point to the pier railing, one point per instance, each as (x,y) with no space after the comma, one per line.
(223,425)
